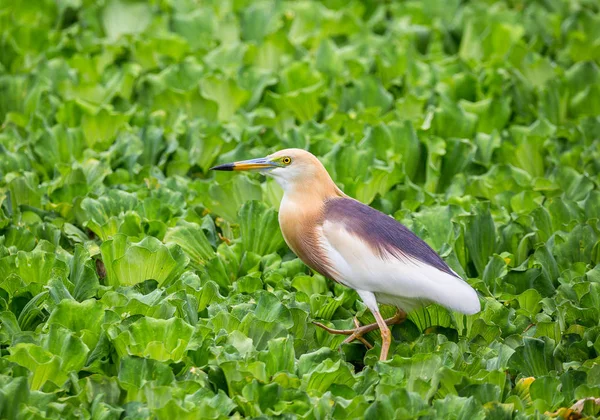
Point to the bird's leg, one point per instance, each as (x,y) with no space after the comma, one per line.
(386,335)
(398,318)
(358,332)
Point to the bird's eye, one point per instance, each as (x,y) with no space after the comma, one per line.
(287,160)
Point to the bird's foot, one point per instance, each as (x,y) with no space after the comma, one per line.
(358,332)
(355,334)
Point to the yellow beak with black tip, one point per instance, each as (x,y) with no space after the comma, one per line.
(259,164)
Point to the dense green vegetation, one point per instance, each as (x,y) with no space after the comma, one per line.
(136,284)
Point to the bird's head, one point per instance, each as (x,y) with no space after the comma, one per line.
(289,167)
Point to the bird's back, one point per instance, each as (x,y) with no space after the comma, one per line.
(383,233)
(371,251)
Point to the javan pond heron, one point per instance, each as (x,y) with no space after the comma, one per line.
(357,246)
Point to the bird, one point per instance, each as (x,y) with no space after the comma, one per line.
(357,246)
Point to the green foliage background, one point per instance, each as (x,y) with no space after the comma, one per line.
(136,284)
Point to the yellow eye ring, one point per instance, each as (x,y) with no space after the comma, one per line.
(286,160)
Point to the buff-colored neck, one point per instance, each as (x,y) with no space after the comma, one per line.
(312,190)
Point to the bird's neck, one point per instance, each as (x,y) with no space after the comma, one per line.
(300,214)
(312,192)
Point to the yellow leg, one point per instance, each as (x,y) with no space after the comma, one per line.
(386,335)
(358,332)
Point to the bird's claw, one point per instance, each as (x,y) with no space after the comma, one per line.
(358,335)
(358,332)
(355,334)
(332,331)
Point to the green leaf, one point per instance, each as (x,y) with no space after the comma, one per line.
(83,274)
(533,358)
(42,363)
(259,228)
(226,93)
(451,120)
(135,372)
(235,192)
(84,319)
(459,408)
(325,374)
(575,246)
(530,302)
(311,285)
(159,339)
(101,127)
(124,17)
(192,240)
(547,389)
(397,140)
(105,214)
(480,236)
(132,263)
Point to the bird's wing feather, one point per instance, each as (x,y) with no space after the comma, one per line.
(370,251)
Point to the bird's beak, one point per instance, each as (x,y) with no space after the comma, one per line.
(247,165)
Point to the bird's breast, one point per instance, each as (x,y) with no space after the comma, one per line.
(300,224)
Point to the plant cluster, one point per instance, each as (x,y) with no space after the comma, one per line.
(136,284)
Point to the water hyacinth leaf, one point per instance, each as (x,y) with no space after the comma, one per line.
(43,364)
(70,349)
(436,149)
(82,318)
(430,316)
(100,128)
(486,144)
(530,301)
(483,393)
(269,309)
(419,369)
(492,113)
(576,246)
(235,192)
(459,408)
(575,185)
(369,93)
(158,339)
(324,306)
(260,228)
(191,238)
(135,372)
(327,373)
(495,269)
(311,285)
(302,103)
(533,358)
(226,93)
(24,190)
(480,236)
(401,139)
(547,389)
(408,404)
(451,120)
(35,267)
(279,356)
(61,354)
(132,263)
(122,17)
(458,155)
(10,327)
(83,274)
(105,213)
(379,182)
